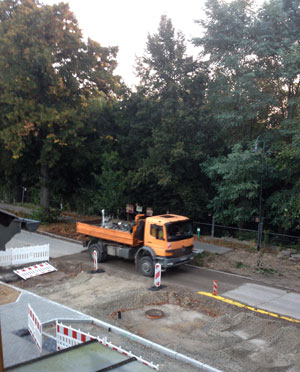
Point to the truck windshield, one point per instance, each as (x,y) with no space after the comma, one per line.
(179,230)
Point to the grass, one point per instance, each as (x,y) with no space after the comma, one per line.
(202,258)
(268,271)
(240,265)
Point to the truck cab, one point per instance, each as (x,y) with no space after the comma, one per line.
(168,240)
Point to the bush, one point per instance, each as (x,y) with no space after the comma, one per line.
(44,216)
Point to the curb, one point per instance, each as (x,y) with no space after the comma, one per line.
(252,308)
(59,237)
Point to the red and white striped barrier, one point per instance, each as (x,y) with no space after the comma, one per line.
(157,275)
(66,336)
(20,256)
(35,328)
(95,255)
(40,269)
(215,288)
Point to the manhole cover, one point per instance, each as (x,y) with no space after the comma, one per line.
(154,314)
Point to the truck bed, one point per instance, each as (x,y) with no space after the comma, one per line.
(117,236)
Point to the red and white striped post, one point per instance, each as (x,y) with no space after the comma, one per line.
(157,275)
(215,288)
(95,255)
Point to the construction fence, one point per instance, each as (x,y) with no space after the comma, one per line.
(20,256)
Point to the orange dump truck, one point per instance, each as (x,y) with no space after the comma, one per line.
(166,239)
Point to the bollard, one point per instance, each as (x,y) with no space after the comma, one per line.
(198,232)
(95,255)
(215,288)
(157,275)
(157,279)
(95,260)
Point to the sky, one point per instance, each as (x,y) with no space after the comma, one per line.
(126,24)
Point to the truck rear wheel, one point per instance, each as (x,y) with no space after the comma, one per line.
(145,266)
(100,249)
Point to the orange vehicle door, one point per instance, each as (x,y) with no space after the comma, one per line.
(156,239)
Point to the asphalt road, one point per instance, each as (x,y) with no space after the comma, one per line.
(197,279)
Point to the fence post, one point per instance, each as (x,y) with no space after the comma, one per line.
(260,233)
(213,227)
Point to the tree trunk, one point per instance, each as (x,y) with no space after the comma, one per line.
(44,191)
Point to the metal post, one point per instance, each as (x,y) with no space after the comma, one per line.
(260,218)
(103,217)
(213,227)
(260,232)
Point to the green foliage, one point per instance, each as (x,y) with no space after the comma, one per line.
(240,265)
(47,72)
(236,180)
(173,87)
(112,182)
(254,59)
(182,142)
(202,258)
(284,207)
(267,271)
(45,216)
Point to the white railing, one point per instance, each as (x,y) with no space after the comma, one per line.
(35,328)
(19,256)
(66,336)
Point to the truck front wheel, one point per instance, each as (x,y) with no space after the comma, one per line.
(100,249)
(145,266)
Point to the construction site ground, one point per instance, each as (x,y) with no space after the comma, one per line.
(218,334)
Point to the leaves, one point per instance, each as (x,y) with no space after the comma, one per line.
(47,72)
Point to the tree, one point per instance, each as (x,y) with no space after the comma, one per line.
(111,185)
(236,180)
(227,47)
(173,89)
(253,56)
(165,65)
(47,74)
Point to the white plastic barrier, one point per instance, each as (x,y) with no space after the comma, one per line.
(35,328)
(157,275)
(67,336)
(35,270)
(19,256)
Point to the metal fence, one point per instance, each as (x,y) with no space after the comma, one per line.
(269,237)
